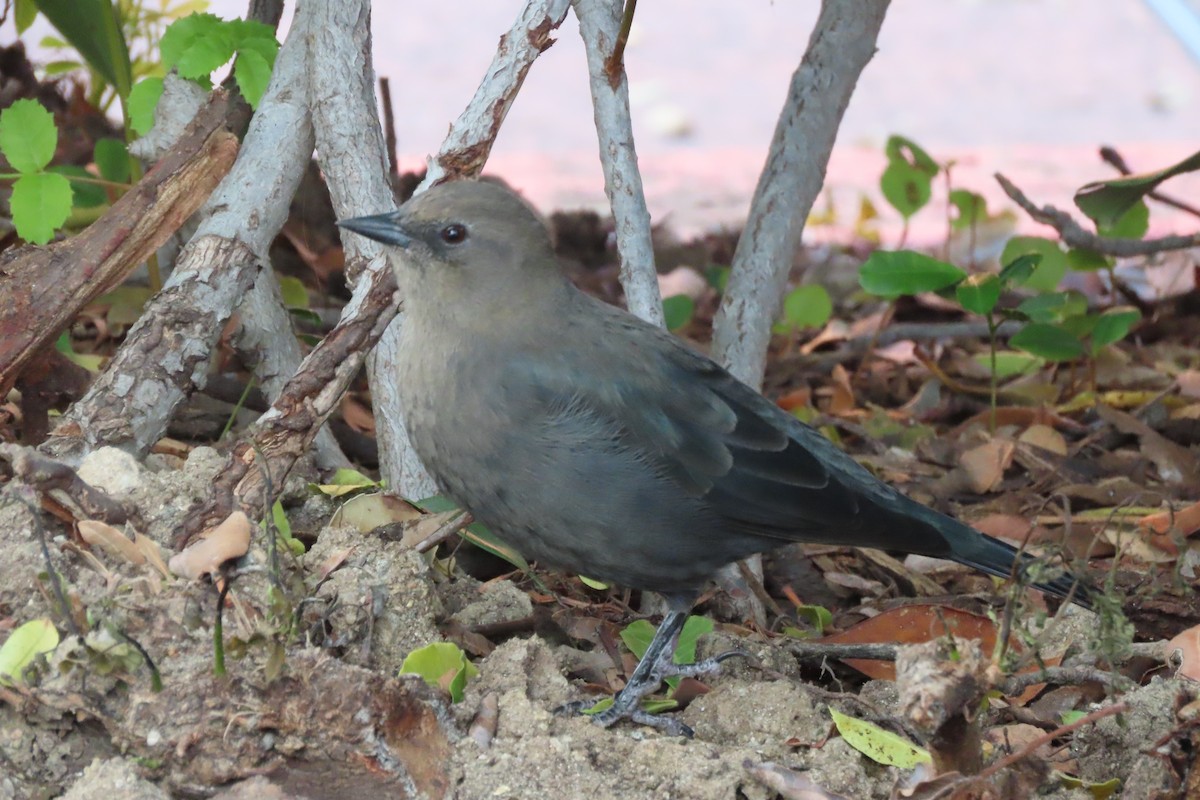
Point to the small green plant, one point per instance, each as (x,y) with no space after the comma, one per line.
(443,665)
(1055,326)
(196,45)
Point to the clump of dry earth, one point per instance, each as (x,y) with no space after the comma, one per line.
(324,714)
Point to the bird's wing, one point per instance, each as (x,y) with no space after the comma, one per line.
(752,463)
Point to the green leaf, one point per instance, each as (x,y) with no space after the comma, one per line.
(806,306)
(882,747)
(637,636)
(718,278)
(40,202)
(22,646)
(24,13)
(196,45)
(1048,341)
(817,616)
(1099,791)
(979,293)
(693,629)
(599,586)
(907,180)
(88,362)
(293,291)
(142,102)
(678,310)
(83,195)
(443,665)
(907,189)
(94,29)
(284,526)
(1082,260)
(252,35)
(902,150)
(1054,306)
(253,73)
(1133,224)
(1010,363)
(112,159)
(971,208)
(1107,201)
(894,273)
(61,67)
(27,135)
(1020,268)
(1113,326)
(1050,269)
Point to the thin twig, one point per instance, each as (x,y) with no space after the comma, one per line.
(1032,746)
(872,651)
(444,531)
(1015,684)
(614,65)
(389,123)
(1074,235)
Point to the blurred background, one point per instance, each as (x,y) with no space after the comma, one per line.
(1030,88)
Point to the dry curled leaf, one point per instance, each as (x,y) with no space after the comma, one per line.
(211,549)
(985,464)
(105,536)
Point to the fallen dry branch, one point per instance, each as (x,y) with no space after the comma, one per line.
(47,476)
(43,288)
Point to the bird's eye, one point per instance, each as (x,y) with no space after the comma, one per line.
(454,234)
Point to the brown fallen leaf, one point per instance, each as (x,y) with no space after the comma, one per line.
(985,464)
(212,548)
(1188,645)
(1045,437)
(105,536)
(1175,463)
(1183,522)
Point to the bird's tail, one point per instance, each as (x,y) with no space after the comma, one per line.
(996,558)
(974,549)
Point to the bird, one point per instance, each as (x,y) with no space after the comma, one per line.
(595,442)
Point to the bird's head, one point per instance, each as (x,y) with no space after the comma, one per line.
(465,242)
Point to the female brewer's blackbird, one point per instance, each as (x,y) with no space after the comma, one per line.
(595,442)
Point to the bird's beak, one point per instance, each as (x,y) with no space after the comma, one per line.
(384,228)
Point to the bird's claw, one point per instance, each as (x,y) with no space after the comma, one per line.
(627,702)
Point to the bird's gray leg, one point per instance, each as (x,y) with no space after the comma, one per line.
(656,664)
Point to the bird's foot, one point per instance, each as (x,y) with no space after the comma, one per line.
(627,703)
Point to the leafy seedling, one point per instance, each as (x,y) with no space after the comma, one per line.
(907,181)
(443,665)
(22,647)
(41,200)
